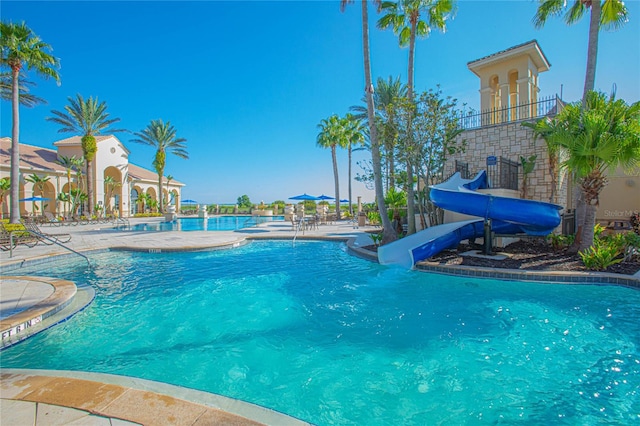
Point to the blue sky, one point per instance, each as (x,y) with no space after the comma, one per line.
(246,83)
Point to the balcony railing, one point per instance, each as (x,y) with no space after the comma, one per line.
(473,120)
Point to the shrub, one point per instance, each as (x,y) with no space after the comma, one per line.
(373,217)
(600,257)
(377,238)
(559,241)
(635,223)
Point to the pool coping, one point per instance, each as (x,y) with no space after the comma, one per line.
(134,399)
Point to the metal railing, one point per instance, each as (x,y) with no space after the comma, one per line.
(472,119)
(43,236)
(504,174)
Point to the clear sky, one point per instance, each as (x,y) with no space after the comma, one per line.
(246,83)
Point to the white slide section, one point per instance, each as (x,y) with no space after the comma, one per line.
(401,251)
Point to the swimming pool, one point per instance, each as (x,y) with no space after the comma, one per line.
(332,339)
(214,223)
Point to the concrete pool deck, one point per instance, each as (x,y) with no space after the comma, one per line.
(65,397)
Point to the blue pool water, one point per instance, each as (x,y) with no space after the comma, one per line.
(332,339)
(215,223)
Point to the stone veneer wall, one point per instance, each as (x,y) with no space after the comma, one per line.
(510,140)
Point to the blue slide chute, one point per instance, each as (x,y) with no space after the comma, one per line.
(508,216)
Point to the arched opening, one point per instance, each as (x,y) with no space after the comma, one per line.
(112,191)
(152,200)
(135,201)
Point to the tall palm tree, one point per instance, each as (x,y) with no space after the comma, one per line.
(595,138)
(162,136)
(605,14)
(388,234)
(22,48)
(332,135)
(404,17)
(354,137)
(87,118)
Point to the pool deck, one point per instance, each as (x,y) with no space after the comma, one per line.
(45,397)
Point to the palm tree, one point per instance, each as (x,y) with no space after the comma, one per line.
(605,14)
(404,17)
(22,48)
(110,185)
(162,136)
(69,164)
(595,138)
(88,118)
(38,183)
(332,134)
(169,179)
(354,137)
(388,234)
(386,93)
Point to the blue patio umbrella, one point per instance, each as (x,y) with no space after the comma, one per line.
(325,197)
(34,199)
(305,197)
(189,202)
(344,201)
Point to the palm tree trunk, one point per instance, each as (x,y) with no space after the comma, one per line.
(336,180)
(411,208)
(14,214)
(592,49)
(90,194)
(589,224)
(388,233)
(350,199)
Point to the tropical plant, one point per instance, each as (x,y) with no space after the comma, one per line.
(386,93)
(596,138)
(87,118)
(389,234)
(376,237)
(600,257)
(332,134)
(162,136)
(39,183)
(559,241)
(69,164)
(110,185)
(21,48)
(168,199)
(354,139)
(528,164)
(5,187)
(553,153)
(605,14)
(78,198)
(146,200)
(396,200)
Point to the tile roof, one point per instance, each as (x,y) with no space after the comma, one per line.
(44,159)
(505,52)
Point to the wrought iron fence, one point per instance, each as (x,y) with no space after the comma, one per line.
(546,106)
(463,168)
(503,174)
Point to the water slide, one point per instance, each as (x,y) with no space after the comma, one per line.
(508,216)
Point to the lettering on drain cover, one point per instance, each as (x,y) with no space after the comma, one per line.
(6,334)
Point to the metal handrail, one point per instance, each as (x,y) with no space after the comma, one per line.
(53,240)
(300,226)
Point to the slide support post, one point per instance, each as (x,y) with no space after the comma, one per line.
(487,237)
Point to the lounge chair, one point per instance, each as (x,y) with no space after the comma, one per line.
(44,237)
(50,219)
(14,234)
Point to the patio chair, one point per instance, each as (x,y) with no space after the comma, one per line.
(14,234)
(50,219)
(44,237)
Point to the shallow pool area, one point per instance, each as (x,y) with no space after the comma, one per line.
(316,333)
(213,223)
